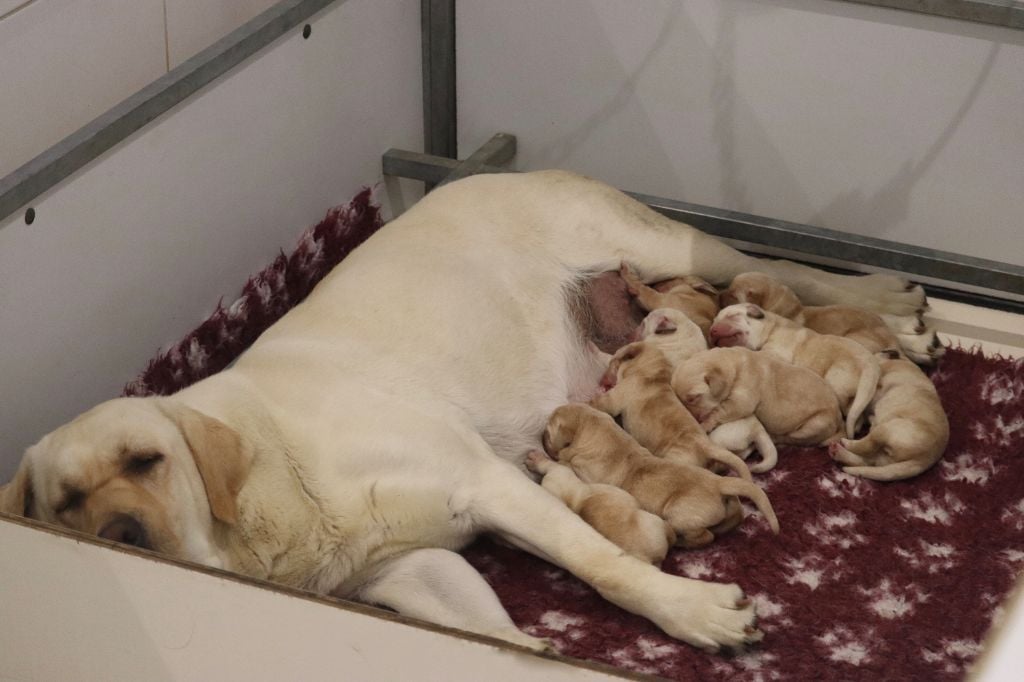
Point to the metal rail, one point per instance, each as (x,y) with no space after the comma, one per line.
(804,239)
(75,151)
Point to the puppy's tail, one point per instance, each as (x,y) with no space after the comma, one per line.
(866,388)
(765,446)
(890,472)
(734,462)
(751,491)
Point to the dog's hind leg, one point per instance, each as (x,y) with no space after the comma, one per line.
(439,586)
(707,615)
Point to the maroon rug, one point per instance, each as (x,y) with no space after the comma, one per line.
(867,581)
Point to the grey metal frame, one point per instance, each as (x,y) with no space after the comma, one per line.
(1005,13)
(75,151)
(802,239)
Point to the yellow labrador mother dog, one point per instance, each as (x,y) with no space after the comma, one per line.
(380,426)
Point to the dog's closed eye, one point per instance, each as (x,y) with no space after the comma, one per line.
(140,464)
(73,499)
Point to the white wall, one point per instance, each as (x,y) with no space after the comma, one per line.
(874,121)
(65,62)
(136,249)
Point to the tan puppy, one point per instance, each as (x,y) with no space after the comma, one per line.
(846,366)
(793,404)
(695,502)
(689,294)
(638,387)
(679,338)
(673,333)
(866,328)
(612,511)
(909,428)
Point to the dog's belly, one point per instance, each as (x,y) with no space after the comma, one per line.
(611,313)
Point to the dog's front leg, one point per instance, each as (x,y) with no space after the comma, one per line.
(439,586)
(706,615)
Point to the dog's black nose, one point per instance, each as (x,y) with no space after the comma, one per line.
(126,530)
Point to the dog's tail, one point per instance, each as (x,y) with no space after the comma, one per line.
(765,446)
(866,388)
(751,491)
(894,471)
(734,462)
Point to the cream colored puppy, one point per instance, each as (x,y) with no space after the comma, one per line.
(864,327)
(909,429)
(673,333)
(846,366)
(792,403)
(690,295)
(697,503)
(679,338)
(638,388)
(612,511)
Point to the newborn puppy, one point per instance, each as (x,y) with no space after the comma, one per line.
(866,328)
(909,428)
(612,511)
(792,403)
(846,366)
(679,338)
(696,503)
(690,295)
(638,387)
(673,333)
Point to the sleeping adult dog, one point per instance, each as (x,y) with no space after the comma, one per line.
(380,426)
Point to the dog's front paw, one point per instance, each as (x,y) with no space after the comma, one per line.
(711,616)
(520,638)
(888,295)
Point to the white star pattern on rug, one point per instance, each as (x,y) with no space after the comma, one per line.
(928,508)
(891,603)
(836,529)
(934,557)
(845,646)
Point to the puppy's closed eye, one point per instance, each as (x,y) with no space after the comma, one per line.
(755,313)
(143,463)
(73,499)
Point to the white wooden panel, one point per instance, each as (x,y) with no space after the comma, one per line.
(75,611)
(64,62)
(873,121)
(137,248)
(193,25)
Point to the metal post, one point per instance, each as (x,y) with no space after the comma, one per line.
(437,19)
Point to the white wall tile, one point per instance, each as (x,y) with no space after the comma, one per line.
(64,62)
(192,25)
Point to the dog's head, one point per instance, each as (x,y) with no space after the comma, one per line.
(565,423)
(638,358)
(669,327)
(743,324)
(702,384)
(764,291)
(147,472)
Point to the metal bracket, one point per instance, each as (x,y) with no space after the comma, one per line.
(993,276)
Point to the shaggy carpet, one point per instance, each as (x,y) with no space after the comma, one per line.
(867,581)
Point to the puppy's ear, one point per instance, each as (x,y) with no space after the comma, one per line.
(755,312)
(702,286)
(16,496)
(222,457)
(716,380)
(631,352)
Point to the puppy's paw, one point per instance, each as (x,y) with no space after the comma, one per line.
(923,349)
(538,462)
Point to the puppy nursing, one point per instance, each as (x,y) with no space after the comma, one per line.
(638,383)
(847,367)
(613,512)
(793,404)
(696,503)
(690,295)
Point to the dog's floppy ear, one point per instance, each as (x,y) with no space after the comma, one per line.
(716,380)
(16,496)
(702,286)
(221,455)
(631,351)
